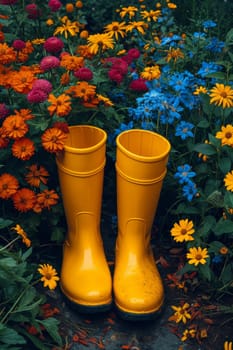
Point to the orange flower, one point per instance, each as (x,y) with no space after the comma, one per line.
(24,199)
(3,139)
(36,175)
(7,54)
(83,90)
(14,127)
(84,51)
(20,231)
(60,105)
(26,114)
(23,148)
(5,73)
(25,52)
(53,140)
(65,78)
(22,81)
(8,185)
(71,62)
(47,198)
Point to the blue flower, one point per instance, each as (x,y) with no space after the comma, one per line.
(208,68)
(215,45)
(123,127)
(184,174)
(199,35)
(209,24)
(189,190)
(184,130)
(217,259)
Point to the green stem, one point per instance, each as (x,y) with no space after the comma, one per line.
(10,243)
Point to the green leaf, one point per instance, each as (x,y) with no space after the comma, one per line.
(204,230)
(205,271)
(227,274)
(224,165)
(216,199)
(228,199)
(222,227)
(10,336)
(204,148)
(204,123)
(5,223)
(51,326)
(38,344)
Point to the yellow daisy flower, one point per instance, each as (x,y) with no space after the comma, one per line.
(67,28)
(130,11)
(140,26)
(226,135)
(99,42)
(228,180)
(181,313)
(183,231)
(151,15)
(49,275)
(116,29)
(200,90)
(197,256)
(150,73)
(174,54)
(188,333)
(222,95)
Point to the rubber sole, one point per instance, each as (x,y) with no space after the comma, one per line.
(138,317)
(86,309)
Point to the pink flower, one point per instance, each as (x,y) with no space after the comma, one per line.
(83,74)
(4,111)
(131,55)
(53,44)
(138,85)
(8,2)
(49,62)
(33,11)
(18,44)
(115,75)
(54,5)
(37,96)
(118,64)
(42,84)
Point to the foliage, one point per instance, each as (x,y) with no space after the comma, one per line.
(149,69)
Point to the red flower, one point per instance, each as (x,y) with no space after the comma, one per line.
(36,96)
(138,85)
(18,44)
(83,74)
(43,84)
(53,44)
(54,5)
(49,62)
(33,11)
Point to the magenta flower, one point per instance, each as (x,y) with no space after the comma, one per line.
(33,11)
(53,44)
(42,84)
(83,74)
(54,5)
(4,111)
(138,85)
(49,62)
(18,44)
(37,96)
(8,2)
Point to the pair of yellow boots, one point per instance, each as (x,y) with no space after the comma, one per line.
(141,159)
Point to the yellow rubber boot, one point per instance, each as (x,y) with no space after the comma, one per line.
(85,275)
(141,167)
